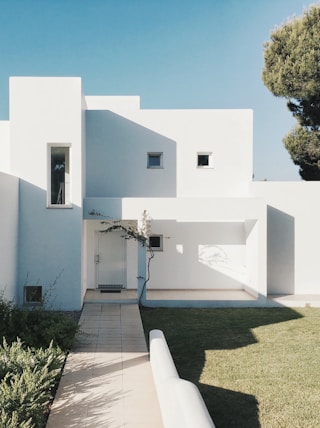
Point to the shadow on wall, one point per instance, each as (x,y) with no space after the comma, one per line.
(191,333)
(49,248)
(117,158)
(281,252)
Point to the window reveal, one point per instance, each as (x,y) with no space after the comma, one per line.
(155,160)
(60,176)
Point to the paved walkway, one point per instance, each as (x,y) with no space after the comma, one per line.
(107,380)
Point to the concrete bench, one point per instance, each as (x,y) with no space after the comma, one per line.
(180,401)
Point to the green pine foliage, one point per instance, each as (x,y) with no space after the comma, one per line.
(292,70)
(303,145)
(292,56)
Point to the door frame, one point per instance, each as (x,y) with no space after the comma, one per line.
(122,256)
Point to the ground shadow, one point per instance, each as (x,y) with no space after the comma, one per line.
(230,409)
(192,332)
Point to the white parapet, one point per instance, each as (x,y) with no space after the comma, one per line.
(180,401)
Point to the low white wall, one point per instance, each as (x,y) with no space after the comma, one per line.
(9,190)
(180,401)
(293,235)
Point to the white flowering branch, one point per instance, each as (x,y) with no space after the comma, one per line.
(130,229)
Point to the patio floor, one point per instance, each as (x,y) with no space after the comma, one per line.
(220,297)
(93,295)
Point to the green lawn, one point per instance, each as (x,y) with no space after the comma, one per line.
(254,367)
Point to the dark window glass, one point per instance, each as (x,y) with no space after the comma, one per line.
(203,160)
(33,293)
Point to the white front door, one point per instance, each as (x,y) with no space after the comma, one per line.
(110,259)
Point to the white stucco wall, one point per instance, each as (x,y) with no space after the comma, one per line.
(118,104)
(227,134)
(44,111)
(293,235)
(199,255)
(116,159)
(256,255)
(9,193)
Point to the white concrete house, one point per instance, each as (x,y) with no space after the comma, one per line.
(69,161)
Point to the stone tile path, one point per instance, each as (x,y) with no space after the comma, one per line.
(107,380)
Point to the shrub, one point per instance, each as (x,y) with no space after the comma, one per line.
(36,327)
(27,378)
(7,421)
(6,308)
(31,358)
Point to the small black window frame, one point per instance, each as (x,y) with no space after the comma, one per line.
(152,156)
(159,246)
(204,160)
(33,294)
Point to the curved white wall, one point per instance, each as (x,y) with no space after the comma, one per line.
(181,403)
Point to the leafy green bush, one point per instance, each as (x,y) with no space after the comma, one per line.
(6,308)
(27,378)
(7,421)
(16,358)
(36,327)
(32,354)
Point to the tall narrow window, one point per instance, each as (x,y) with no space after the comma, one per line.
(59,175)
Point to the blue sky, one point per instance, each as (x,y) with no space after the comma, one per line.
(173,53)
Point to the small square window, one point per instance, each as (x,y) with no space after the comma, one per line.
(155,160)
(156,242)
(204,160)
(33,294)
